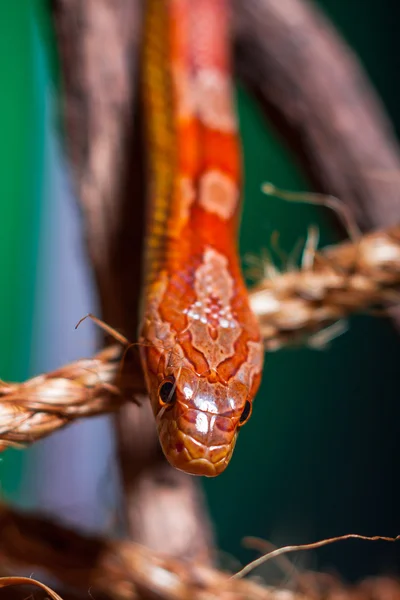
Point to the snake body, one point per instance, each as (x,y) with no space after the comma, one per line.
(200,343)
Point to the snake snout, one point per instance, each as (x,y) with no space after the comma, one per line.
(199,443)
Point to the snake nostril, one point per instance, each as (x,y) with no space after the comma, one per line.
(179,447)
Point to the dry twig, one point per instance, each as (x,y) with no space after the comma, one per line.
(12,581)
(279,552)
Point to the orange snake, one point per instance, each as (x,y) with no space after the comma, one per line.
(200,343)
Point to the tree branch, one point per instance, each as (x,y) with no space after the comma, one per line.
(312,86)
(119,570)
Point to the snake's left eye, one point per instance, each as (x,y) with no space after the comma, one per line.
(167,391)
(245,416)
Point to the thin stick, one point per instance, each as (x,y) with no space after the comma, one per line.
(310,248)
(115,334)
(331,202)
(105,327)
(10,581)
(264,546)
(286,549)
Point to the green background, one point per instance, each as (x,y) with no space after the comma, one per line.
(320,455)
(21,177)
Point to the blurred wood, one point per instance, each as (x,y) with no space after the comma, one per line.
(99,43)
(25,592)
(14,581)
(313,88)
(117,570)
(120,570)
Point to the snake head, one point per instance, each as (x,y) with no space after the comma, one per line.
(198,418)
(202,358)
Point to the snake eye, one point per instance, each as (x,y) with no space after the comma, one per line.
(167,391)
(245,416)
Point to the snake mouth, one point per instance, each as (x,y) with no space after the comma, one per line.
(197,466)
(201,467)
(187,454)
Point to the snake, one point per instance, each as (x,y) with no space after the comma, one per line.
(200,343)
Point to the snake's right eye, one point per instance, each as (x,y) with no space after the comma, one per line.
(245,416)
(167,391)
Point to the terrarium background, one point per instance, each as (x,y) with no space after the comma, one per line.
(320,456)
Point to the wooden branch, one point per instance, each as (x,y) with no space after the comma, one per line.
(311,85)
(99,44)
(119,570)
